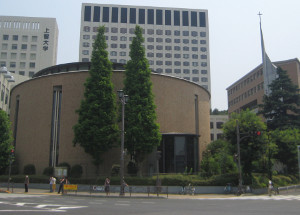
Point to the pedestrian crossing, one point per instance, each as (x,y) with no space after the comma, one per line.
(35,207)
(262,197)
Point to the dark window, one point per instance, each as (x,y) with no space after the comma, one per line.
(87,13)
(114,15)
(123,15)
(202,19)
(141,16)
(194,19)
(211,125)
(96,14)
(132,15)
(167,17)
(219,125)
(176,18)
(158,17)
(150,16)
(105,17)
(185,18)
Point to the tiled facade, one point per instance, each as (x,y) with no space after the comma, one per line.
(27,44)
(176,39)
(248,91)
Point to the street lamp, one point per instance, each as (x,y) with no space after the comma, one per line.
(124,99)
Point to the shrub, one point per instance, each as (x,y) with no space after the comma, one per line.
(29,169)
(76,171)
(48,171)
(132,168)
(115,169)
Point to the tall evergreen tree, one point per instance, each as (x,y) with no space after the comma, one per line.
(281,107)
(142,131)
(97,130)
(5,140)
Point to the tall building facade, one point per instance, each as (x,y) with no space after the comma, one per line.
(248,91)
(176,39)
(216,126)
(28,44)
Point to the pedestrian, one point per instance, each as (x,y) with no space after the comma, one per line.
(270,187)
(26,183)
(61,184)
(52,184)
(107,186)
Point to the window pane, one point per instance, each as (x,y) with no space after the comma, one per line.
(185,18)
(167,17)
(87,13)
(114,16)
(158,17)
(202,19)
(105,17)
(151,16)
(123,15)
(141,16)
(132,15)
(176,18)
(194,19)
(96,14)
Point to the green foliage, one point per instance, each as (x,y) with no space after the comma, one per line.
(48,171)
(287,141)
(132,168)
(97,130)
(76,171)
(115,169)
(29,169)
(217,159)
(281,107)
(216,111)
(5,140)
(142,131)
(252,147)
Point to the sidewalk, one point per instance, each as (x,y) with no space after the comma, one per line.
(34,191)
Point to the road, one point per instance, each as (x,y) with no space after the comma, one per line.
(247,205)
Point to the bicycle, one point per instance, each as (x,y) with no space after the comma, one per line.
(240,191)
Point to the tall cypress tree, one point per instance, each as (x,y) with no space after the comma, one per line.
(281,107)
(97,130)
(142,131)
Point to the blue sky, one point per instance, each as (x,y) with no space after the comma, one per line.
(233,30)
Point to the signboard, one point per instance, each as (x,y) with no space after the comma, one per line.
(60,171)
(71,187)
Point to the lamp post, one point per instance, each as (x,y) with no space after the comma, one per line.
(124,99)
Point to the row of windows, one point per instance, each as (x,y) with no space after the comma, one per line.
(20,25)
(149,31)
(169,55)
(219,125)
(23,47)
(245,95)
(175,63)
(245,82)
(25,38)
(14,56)
(22,65)
(145,16)
(31,73)
(219,136)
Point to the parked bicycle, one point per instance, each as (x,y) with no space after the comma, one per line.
(228,188)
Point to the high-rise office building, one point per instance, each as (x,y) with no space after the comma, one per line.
(28,44)
(176,39)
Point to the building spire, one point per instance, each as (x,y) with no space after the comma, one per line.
(269,69)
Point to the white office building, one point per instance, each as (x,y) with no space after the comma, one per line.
(28,44)
(176,39)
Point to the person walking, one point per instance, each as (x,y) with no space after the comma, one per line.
(270,187)
(61,185)
(107,186)
(52,184)
(26,183)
